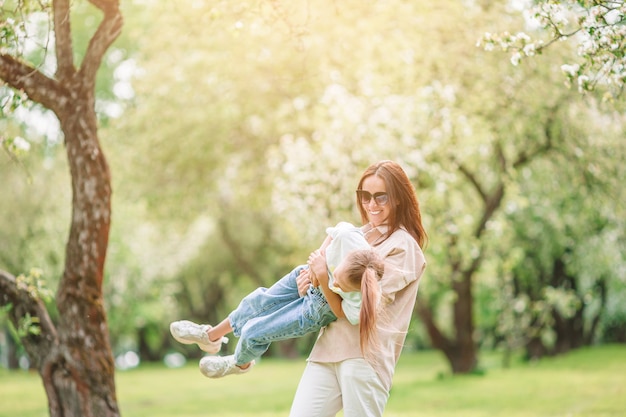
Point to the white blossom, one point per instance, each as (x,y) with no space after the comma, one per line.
(530,49)
(570,70)
(597,28)
(21,144)
(515,58)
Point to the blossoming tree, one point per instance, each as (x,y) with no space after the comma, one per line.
(597,27)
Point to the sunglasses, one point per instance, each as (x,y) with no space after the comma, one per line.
(365,197)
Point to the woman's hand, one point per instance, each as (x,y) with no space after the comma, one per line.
(304,282)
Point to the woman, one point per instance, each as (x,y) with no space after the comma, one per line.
(350,269)
(338,375)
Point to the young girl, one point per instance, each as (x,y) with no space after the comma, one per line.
(278,312)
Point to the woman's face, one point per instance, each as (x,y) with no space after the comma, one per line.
(377,210)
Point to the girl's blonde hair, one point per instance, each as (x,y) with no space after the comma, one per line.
(365,269)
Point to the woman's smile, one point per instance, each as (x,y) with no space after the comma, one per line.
(377,213)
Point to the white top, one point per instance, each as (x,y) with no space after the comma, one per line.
(345,239)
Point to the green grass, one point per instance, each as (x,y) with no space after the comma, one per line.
(586,383)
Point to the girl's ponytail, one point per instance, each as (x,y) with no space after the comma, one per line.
(368,268)
(370,295)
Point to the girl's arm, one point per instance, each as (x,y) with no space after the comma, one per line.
(319,272)
(321,250)
(325,244)
(305,278)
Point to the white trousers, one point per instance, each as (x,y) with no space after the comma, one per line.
(326,388)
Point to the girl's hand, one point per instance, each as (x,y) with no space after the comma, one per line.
(304,281)
(317,267)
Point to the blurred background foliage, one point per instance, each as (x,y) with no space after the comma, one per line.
(236,132)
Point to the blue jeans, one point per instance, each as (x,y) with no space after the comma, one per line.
(277,313)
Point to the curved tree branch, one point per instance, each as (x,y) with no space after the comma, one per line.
(437,338)
(492,202)
(237,253)
(23,303)
(63,36)
(35,84)
(109,29)
(525,157)
(472,179)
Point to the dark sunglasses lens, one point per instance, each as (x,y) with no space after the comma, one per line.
(364,196)
(381,199)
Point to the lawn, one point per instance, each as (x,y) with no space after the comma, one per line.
(589,382)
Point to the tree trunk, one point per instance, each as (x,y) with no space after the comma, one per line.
(461,351)
(79,376)
(74,359)
(464,356)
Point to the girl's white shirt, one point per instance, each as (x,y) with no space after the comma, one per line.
(345,238)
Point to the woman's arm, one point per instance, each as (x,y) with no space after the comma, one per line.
(319,272)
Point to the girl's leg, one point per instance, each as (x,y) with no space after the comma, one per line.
(255,337)
(264,301)
(219,331)
(318,393)
(259,302)
(302,316)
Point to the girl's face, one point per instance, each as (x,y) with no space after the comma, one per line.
(340,275)
(374,200)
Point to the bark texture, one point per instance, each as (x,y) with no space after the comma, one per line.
(74,357)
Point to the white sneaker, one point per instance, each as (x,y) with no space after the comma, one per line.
(188,332)
(219,366)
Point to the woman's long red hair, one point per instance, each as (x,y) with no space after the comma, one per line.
(402,198)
